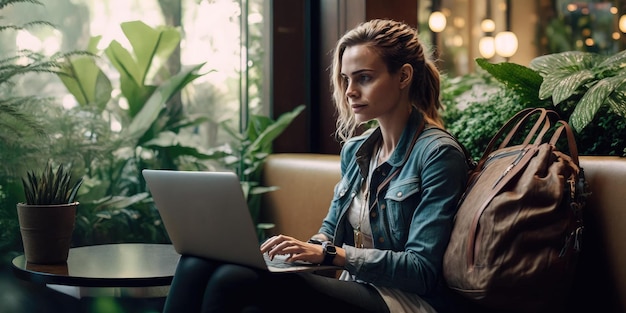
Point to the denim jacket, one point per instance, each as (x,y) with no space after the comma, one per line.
(412,219)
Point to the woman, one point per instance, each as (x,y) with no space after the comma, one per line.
(391,216)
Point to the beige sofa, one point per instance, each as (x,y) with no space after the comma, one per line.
(306,184)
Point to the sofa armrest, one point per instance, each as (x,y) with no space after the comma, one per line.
(601,277)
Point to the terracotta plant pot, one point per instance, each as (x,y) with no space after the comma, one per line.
(46,231)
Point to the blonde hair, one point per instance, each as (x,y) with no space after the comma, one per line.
(397,44)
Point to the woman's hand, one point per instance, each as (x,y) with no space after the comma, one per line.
(296,249)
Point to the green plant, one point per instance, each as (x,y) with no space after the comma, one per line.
(477,113)
(23,134)
(585,81)
(579,86)
(15,119)
(147,123)
(50,186)
(115,206)
(247,152)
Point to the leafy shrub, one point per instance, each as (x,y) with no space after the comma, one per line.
(476,124)
(478,105)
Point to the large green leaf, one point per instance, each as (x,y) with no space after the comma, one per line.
(151,47)
(123,61)
(256,125)
(592,100)
(265,138)
(615,62)
(178,145)
(617,100)
(130,77)
(562,85)
(86,81)
(569,61)
(522,80)
(150,111)
(563,73)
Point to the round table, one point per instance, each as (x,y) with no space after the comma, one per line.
(127,269)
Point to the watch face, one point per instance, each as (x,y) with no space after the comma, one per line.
(329,252)
(328,246)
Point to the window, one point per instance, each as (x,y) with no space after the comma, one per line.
(232,48)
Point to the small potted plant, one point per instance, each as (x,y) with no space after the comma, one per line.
(47,216)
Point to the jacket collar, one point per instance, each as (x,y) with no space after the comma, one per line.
(402,151)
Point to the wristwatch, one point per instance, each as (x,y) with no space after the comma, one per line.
(329,252)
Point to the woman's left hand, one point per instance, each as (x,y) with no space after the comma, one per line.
(296,249)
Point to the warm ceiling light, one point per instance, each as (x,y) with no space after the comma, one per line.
(486,47)
(459,22)
(572,7)
(487,25)
(437,21)
(506,44)
(615,36)
(457,41)
(622,23)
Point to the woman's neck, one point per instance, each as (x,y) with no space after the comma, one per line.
(391,131)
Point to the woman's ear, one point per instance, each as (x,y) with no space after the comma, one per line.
(406,75)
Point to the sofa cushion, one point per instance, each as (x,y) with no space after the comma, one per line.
(306,183)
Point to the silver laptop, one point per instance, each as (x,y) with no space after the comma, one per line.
(205,214)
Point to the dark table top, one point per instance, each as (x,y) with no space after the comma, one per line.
(111,265)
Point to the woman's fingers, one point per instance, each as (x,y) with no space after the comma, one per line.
(296,249)
(276,245)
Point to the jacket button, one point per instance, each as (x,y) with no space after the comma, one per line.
(373,214)
(383,206)
(381,239)
(399,194)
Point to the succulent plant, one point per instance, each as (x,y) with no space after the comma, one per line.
(50,186)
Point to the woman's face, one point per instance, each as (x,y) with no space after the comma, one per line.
(372,91)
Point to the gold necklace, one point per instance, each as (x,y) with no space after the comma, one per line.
(358,234)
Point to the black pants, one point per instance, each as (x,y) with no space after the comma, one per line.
(201,285)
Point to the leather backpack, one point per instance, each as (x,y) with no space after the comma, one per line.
(517,232)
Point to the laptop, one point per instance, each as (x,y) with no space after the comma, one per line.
(205,214)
